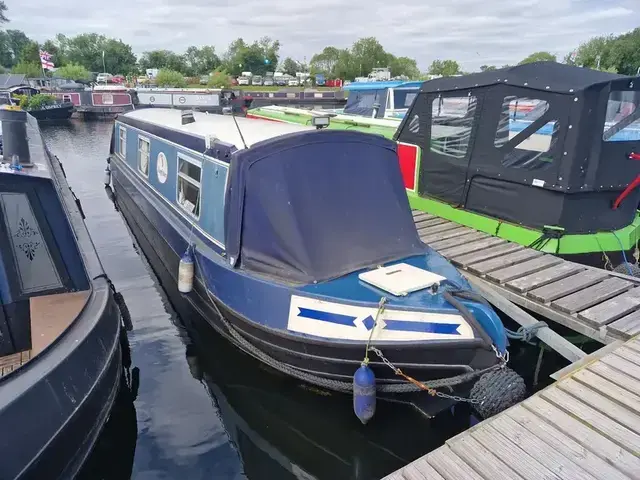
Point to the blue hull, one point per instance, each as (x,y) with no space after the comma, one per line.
(259,309)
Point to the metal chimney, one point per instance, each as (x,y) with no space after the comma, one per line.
(14,136)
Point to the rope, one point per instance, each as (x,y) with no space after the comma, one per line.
(624,255)
(337,385)
(607,261)
(525,333)
(383,300)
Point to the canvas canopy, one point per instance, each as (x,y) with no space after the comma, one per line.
(316,205)
(541,144)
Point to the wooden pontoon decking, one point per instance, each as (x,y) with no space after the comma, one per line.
(597,303)
(51,315)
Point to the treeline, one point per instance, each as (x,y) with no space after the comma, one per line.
(90,52)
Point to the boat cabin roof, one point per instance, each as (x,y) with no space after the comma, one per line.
(545,134)
(380,85)
(217,127)
(300,205)
(545,76)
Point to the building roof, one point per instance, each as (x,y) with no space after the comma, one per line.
(549,76)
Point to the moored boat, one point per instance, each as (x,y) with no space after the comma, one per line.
(372,107)
(543,154)
(61,343)
(50,109)
(298,245)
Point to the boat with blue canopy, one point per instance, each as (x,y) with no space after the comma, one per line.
(297,243)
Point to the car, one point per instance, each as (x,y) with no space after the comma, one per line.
(204,79)
(104,77)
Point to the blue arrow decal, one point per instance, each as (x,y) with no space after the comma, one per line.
(326,316)
(423,327)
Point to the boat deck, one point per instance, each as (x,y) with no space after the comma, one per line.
(50,316)
(585,426)
(600,304)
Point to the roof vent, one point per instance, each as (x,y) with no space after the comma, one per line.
(187,117)
(15,143)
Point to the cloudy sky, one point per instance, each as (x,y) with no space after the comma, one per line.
(474,32)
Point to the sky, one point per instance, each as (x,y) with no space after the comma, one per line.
(473,32)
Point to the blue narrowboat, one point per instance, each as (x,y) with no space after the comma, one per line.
(297,243)
(61,344)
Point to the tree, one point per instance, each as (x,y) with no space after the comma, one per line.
(73,71)
(290,66)
(403,66)
(325,61)
(234,56)
(28,69)
(259,57)
(87,49)
(57,55)
(17,40)
(488,68)
(219,79)
(3,9)
(200,61)
(367,54)
(30,53)
(539,57)
(625,53)
(163,59)
(446,68)
(170,78)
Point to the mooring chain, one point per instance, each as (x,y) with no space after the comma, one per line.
(432,391)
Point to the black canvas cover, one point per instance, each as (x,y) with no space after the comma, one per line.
(544,76)
(316,205)
(539,144)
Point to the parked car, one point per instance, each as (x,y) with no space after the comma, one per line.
(204,79)
(104,77)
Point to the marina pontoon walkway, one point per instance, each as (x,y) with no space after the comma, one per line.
(597,303)
(585,426)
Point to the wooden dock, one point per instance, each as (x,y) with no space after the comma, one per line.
(586,426)
(602,305)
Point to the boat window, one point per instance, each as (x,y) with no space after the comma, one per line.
(143,156)
(403,98)
(532,152)
(122,147)
(189,178)
(451,124)
(622,121)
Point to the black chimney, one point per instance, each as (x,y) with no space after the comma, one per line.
(14,136)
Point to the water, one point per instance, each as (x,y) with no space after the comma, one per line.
(203,409)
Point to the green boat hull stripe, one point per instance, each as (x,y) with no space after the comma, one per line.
(570,244)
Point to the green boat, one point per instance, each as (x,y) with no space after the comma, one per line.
(302,116)
(544,155)
(372,107)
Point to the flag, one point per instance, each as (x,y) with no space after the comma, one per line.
(45,60)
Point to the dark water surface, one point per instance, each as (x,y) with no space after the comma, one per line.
(204,410)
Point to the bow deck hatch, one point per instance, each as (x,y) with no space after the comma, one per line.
(401,279)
